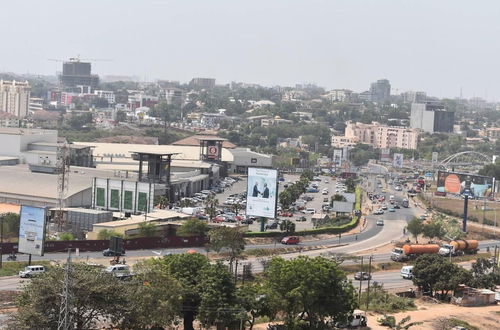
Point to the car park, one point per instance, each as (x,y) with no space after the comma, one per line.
(32,271)
(380,222)
(290,240)
(362,276)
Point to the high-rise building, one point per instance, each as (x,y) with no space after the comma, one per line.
(206,83)
(431,117)
(15,97)
(414,97)
(174,96)
(380,90)
(76,73)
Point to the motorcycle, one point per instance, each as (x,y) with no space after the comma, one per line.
(12,257)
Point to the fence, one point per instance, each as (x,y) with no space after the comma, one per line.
(129,244)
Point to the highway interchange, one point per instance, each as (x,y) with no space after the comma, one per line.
(371,236)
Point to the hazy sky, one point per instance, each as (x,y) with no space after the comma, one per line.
(432,45)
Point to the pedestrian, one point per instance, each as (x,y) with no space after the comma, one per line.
(356,238)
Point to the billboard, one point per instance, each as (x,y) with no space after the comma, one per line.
(435,156)
(398,160)
(337,157)
(464,184)
(212,152)
(262,192)
(31,230)
(385,155)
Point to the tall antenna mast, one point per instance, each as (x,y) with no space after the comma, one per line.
(62,167)
(65,322)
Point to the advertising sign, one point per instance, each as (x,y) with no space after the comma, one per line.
(337,157)
(213,152)
(435,157)
(385,155)
(398,160)
(31,230)
(464,184)
(262,192)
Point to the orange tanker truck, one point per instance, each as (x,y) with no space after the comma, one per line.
(459,247)
(408,251)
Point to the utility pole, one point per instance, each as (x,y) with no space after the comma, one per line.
(1,238)
(65,322)
(369,278)
(360,282)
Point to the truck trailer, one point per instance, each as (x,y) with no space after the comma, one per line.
(459,247)
(409,252)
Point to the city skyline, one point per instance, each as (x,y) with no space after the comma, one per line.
(426,46)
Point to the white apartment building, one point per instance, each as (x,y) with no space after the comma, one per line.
(339,95)
(107,95)
(343,141)
(15,97)
(382,136)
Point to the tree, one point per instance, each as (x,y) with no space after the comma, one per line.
(390,322)
(309,290)
(107,234)
(287,226)
(66,237)
(227,238)
(434,229)
(154,297)
(193,227)
(161,201)
(78,121)
(285,199)
(236,208)
(121,116)
(96,295)
(434,273)
(338,198)
(415,227)
(10,223)
(485,274)
(147,229)
(218,296)
(211,204)
(187,269)
(256,300)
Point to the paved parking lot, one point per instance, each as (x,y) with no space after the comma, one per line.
(316,203)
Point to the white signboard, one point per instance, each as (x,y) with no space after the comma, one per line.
(435,157)
(262,192)
(385,155)
(337,157)
(31,230)
(398,160)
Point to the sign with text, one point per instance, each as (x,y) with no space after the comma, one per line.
(398,160)
(385,155)
(31,230)
(464,184)
(262,192)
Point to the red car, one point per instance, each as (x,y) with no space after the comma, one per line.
(219,219)
(290,240)
(286,214)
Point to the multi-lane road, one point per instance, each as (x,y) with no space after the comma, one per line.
(370,237)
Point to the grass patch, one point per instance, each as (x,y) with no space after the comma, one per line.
(448,324)
(13,268)
(383,302)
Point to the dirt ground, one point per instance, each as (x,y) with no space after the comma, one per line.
(482,317)
(487,317)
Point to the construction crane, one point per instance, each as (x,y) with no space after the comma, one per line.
(62,167)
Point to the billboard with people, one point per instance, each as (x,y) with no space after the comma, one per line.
(262,192)
(465,184)
(31,230)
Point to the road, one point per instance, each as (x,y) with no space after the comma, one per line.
(372,236)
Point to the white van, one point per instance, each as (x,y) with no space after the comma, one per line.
(120,271)
(407,272)
(31,271)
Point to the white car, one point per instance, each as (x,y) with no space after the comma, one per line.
(31,271)
(380,222)
(309,211)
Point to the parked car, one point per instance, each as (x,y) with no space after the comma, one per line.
(110,253)
(290,240)
(31,271)
(392,209)
(309,211)
(271,225)
(301,219)
(119,270)
(363,276)
(380,222)
(396,206)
